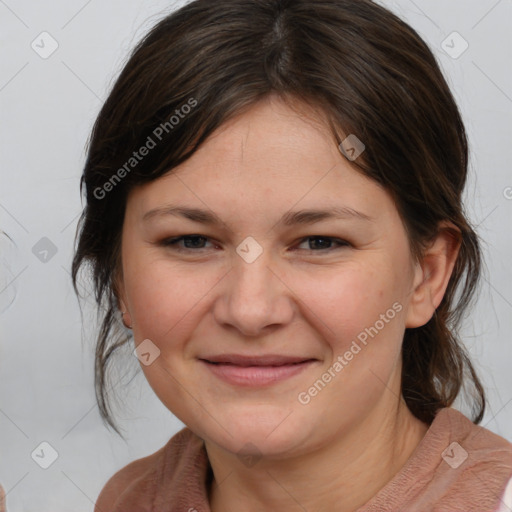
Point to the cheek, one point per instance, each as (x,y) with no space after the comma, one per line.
(360,317)
(347,301)
(163,296)
(358,312)
(166,303)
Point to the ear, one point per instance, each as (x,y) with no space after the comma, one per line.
(125,313)
(432,275)
(118,286)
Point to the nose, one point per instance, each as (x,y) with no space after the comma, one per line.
(254,298)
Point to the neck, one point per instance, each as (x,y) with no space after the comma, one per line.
(342,475)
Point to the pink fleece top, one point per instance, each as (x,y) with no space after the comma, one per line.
(457,467)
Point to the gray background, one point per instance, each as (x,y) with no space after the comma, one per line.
(48,106)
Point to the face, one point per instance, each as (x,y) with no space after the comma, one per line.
(268,326)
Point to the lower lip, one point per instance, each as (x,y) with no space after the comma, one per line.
(256,375)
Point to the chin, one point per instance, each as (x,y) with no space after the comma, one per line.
(266,431)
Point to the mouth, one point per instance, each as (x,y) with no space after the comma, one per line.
(255,371)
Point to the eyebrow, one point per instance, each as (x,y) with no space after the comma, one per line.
(290,218)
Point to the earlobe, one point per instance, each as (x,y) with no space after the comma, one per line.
(127,320)
(119,293)
(432,275)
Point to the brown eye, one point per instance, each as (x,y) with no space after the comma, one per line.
(324,243)
(191,242)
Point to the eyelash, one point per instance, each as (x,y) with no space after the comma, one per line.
(172,243)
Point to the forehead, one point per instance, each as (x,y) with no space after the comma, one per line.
(268,159)
(270,135)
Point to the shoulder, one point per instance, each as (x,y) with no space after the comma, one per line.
(506,498)
(476,464)
(120,482)
(141,475)
(2,499)
(473,448)
(483,444)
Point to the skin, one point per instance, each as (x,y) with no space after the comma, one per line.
(299,297)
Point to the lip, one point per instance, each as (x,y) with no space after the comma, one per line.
(255,371)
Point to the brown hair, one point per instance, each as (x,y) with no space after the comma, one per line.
(367,70)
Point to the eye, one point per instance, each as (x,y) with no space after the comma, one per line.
(324,243)
(195,243)
(190,241)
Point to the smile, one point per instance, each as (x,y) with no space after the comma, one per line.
(255,371)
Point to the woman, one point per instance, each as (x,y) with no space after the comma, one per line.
(274,212)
